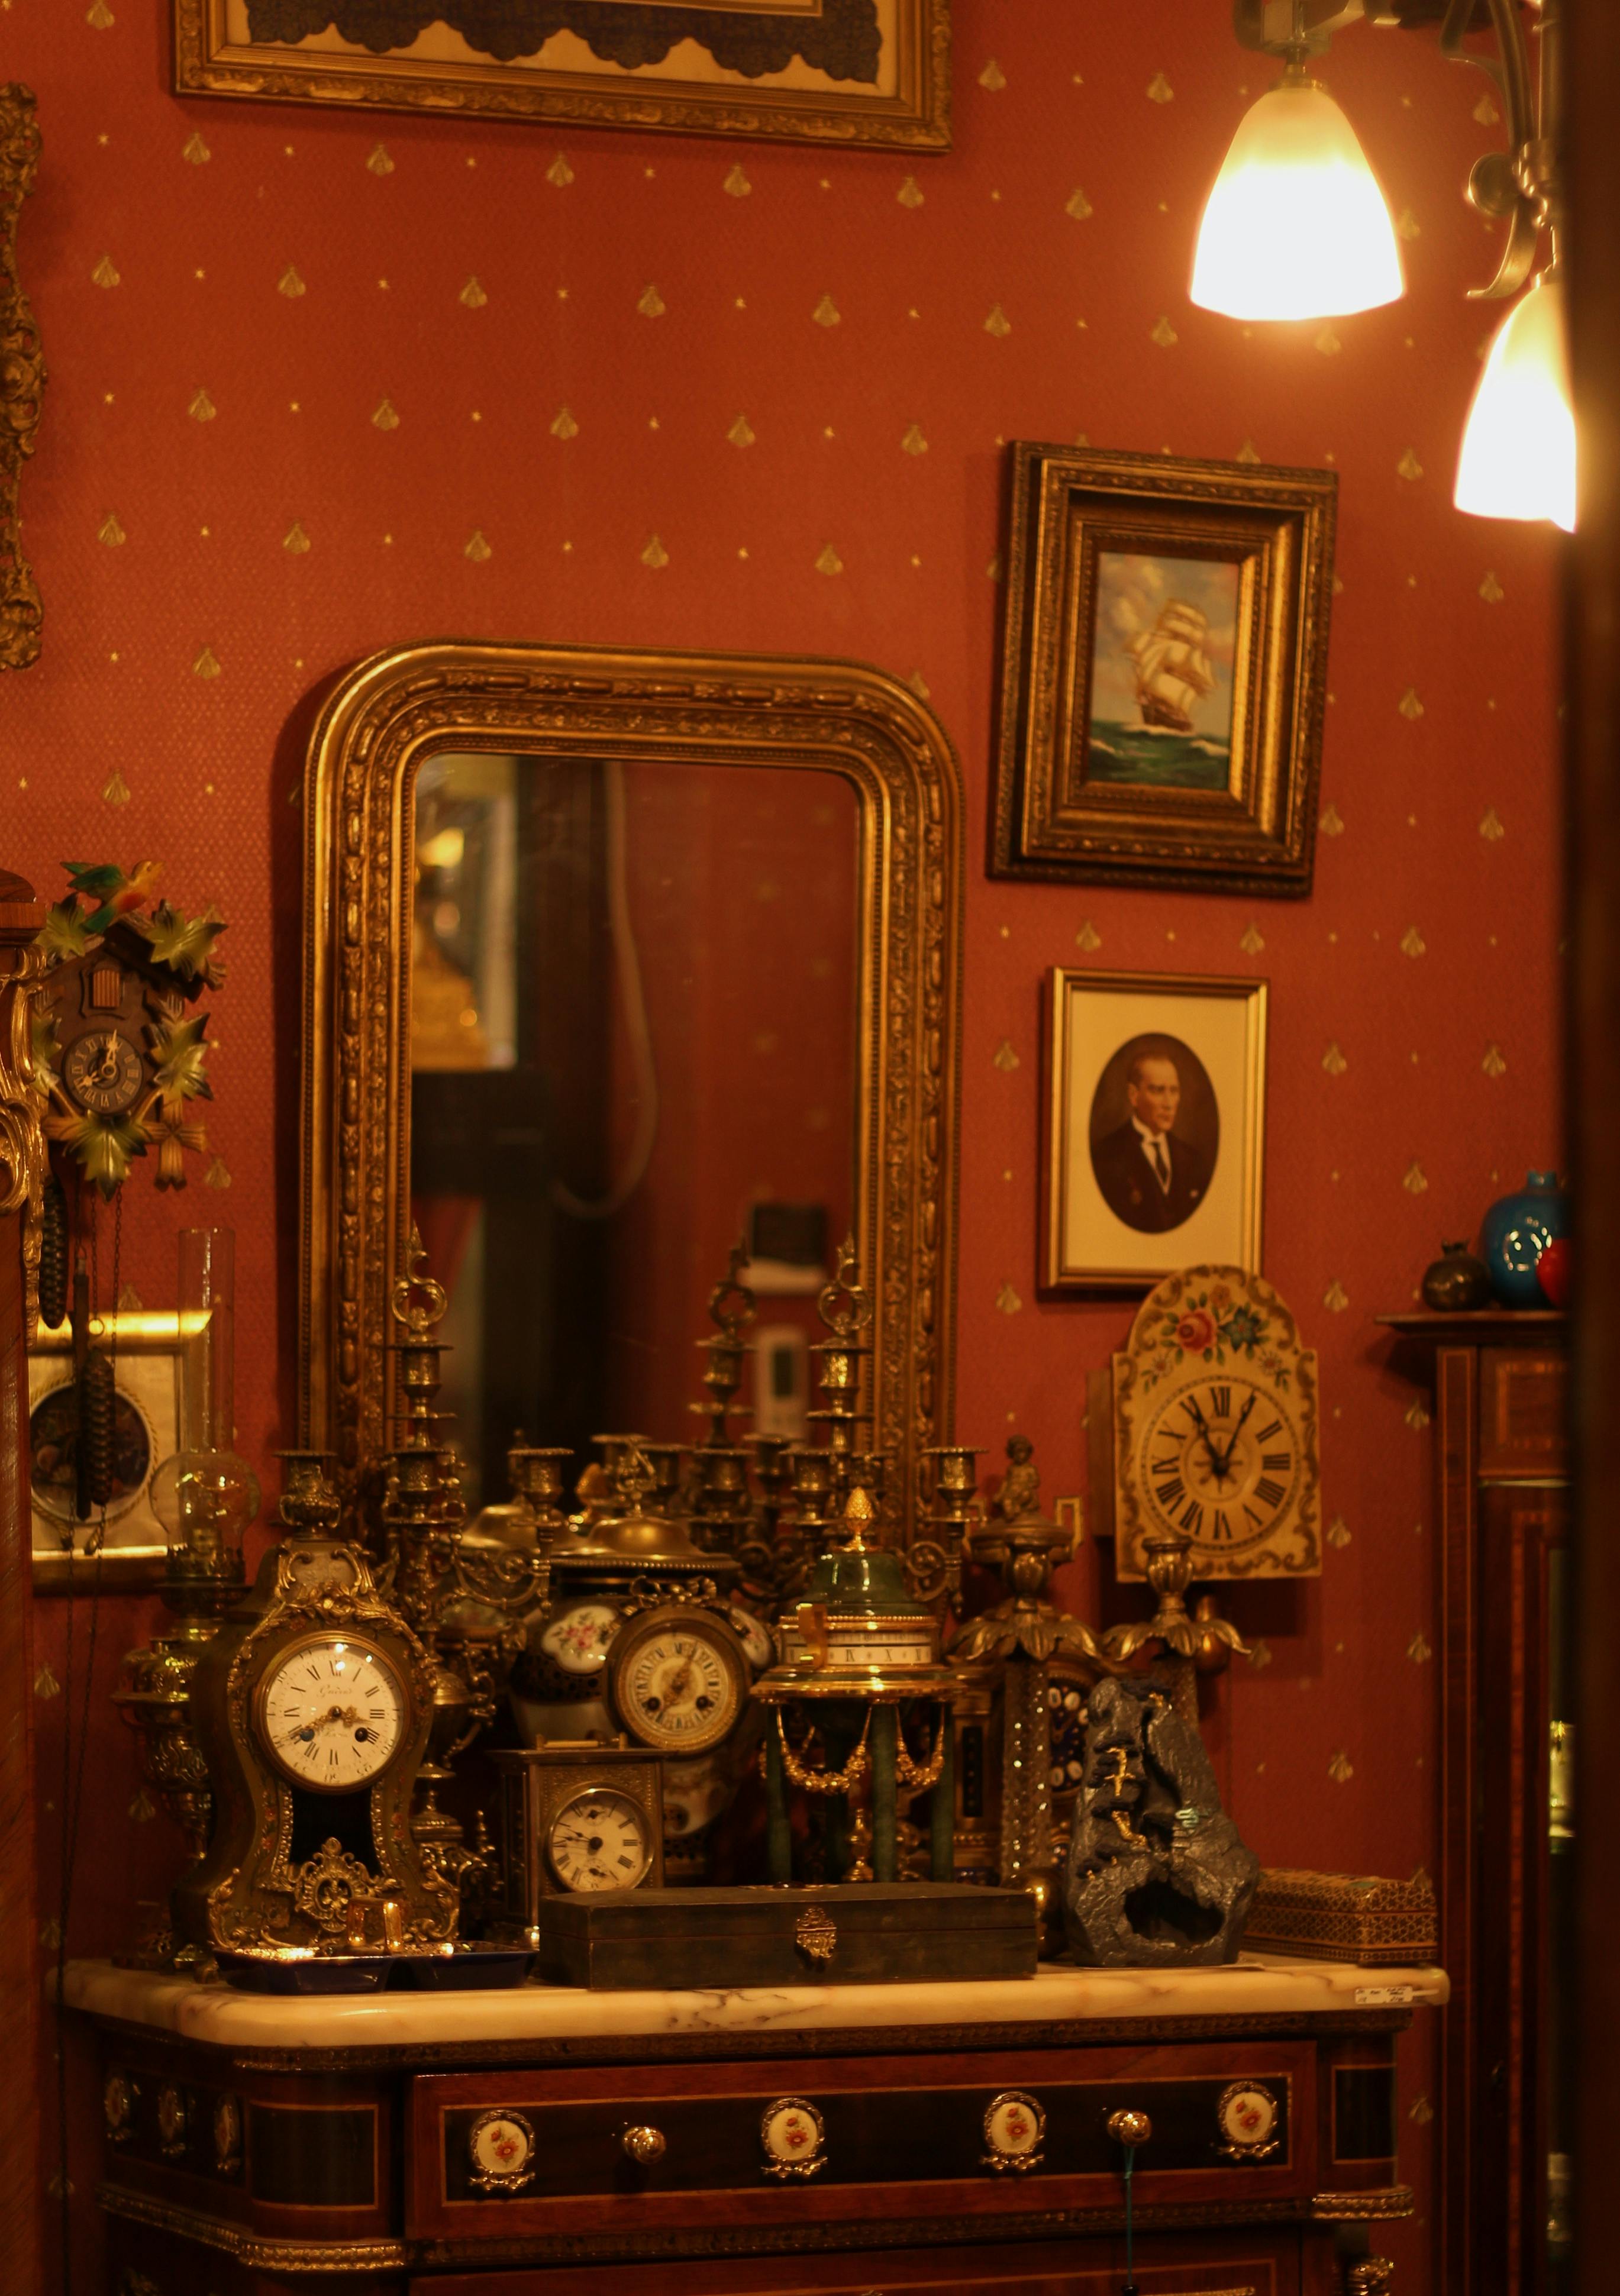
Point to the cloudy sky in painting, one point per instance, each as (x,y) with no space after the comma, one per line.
(1131,593)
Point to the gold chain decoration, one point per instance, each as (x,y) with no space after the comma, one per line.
(827,1782)
(917,1777)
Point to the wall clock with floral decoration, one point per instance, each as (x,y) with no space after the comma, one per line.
(1214,1424)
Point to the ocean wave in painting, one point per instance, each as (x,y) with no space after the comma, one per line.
(1154,759)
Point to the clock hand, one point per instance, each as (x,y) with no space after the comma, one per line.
(1205,1436)
(1226,1456)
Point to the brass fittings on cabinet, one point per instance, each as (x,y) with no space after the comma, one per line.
(1130,2128)
(643,2145)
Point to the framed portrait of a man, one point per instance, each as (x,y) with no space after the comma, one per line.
(1155,1128)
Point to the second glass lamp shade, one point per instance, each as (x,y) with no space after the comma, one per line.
(1295,226)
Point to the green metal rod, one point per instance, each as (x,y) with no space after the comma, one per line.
(779,1832)
(943,1805)
(885,1840)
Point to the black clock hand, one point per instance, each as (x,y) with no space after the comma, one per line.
(1204,1435)
(1226,1456)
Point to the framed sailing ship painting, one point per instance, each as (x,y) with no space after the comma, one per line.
(1163,660)
(845,71)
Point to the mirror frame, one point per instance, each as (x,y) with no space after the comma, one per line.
(398,709)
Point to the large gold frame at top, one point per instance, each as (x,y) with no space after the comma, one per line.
(739,709)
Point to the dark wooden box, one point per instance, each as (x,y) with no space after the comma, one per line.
(864,1934)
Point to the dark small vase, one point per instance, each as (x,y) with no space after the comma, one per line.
(1457,1281)
(1515,1233)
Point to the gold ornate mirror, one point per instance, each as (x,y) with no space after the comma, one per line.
(609,958)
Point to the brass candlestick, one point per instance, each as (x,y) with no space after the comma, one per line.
(1190,1646)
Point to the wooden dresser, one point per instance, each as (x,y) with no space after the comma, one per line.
(1500,1387)
(549,2142)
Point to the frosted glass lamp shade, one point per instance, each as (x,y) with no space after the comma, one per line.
(1295,226)
(1518,450)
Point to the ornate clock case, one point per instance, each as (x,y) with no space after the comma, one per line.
(297,1865)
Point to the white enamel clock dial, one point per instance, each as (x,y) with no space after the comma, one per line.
(1222,1460)
(599,1841)
(678,1683)
(332,1712)
(578,1640)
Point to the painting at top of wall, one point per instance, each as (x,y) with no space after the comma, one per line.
(848,71)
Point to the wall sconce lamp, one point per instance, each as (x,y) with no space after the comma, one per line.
(1298,228)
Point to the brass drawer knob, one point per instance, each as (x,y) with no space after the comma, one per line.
(1130,2128)
(643,2145)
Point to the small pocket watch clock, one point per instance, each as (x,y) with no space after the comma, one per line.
(575,1818)
(313,1706)
(1214,1426)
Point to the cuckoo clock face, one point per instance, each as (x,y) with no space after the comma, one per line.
(1215,1430)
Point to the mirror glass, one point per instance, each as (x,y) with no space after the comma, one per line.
(633,1045)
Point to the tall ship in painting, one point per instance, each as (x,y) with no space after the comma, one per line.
(1173,670)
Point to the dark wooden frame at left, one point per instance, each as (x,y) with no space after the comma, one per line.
(21,381)
(22,1170)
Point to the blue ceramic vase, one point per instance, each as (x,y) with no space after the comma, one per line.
(1515,1233)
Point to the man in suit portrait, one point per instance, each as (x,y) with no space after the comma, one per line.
(1149,1176)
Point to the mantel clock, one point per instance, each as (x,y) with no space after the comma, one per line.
(314,1706)
(1215,1425)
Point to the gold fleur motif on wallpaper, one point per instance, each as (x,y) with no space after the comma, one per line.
(992,77)
(1328,343)
(1409,466)
(110,531)
(378,162)
(1485,112)
(99,16)
(1164,334)
(207,664)
(1159,90)
(1004,1057)
(1088,938)
(115,789)
(1422,2112)
(1412,943)
(1077,205)
(476,548)
(1341,1770)
(1333,1061)
(202,408)
(1336,1299)
(992,572)
(1493,1063)
(129,1300)
(1416,1415)
(1491,590)
(1338,1532)
(653,554)
(195,150)
(826,313)
(1414,1179)
(562,424)
(50,1933)
(1418,1650)
(737,183)
(560,173)
(142,1809)
(1247,453)
(650,303)
(1408,705)
(1007,1299)
(385,418)
(997,324)
(46,1684)
(217,1175)
(295,541)
(105,274)
(1491,827)
(909,193)
(828,562)
(1253,939)
(1409,227)
(1331,821)
(1259,1654)
(918,684)
(914,442)
(473,294)
(290,284)
(741,433)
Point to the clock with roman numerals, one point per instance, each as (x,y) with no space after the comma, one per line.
(1215,1430)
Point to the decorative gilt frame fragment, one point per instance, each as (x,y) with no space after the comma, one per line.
(398,708)
(21,381)
(600,87)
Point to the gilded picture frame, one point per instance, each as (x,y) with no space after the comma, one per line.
(1162,671)
(1152,1127)
(21,381)
(840,71)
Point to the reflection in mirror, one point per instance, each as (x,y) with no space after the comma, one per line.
(633,1042)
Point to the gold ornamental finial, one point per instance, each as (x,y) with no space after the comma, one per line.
(418,1317)
(844,1304)
(857,1512)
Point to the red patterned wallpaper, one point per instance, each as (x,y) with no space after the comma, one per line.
(322,383)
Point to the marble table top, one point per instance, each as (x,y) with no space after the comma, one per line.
(1256,1985)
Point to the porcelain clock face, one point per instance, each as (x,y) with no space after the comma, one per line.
(332,1712)
(678,1681)
(599,1841)
(104,1071)
(1223,1461)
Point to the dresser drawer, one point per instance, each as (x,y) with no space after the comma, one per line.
(525,2159)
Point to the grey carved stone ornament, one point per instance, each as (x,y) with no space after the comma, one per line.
(1157,1873)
